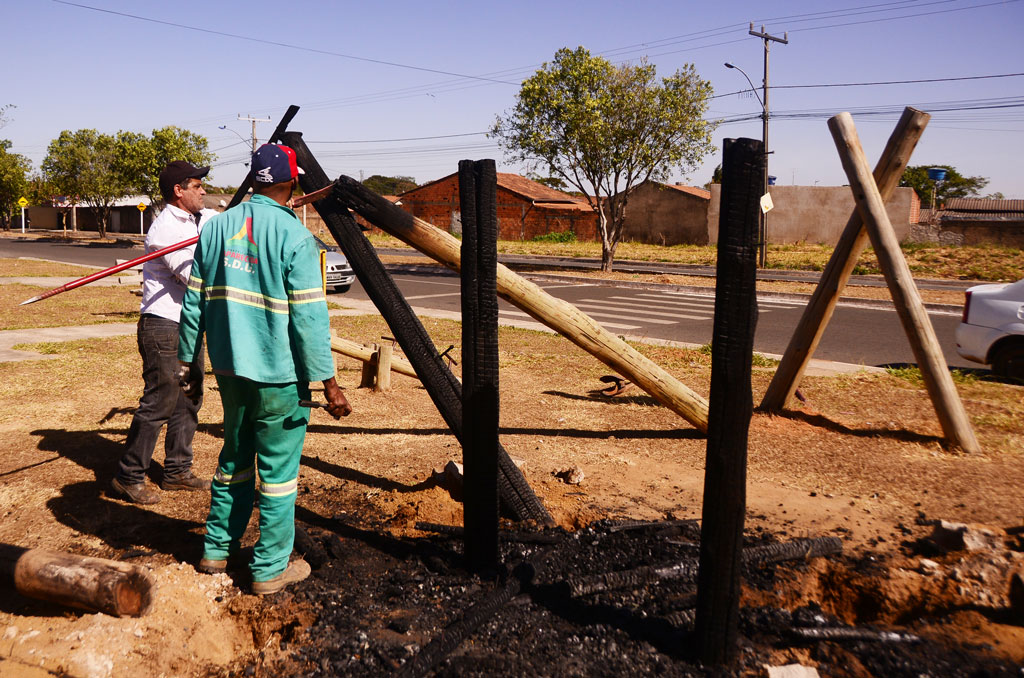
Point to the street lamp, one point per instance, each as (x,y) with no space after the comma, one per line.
(762,246)
(225,127)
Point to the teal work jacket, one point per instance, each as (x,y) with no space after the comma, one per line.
(256,291)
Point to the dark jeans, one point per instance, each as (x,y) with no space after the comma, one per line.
(162,403)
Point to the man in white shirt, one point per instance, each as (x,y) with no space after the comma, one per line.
(164,281)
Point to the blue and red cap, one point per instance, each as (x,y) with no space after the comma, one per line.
(273,164)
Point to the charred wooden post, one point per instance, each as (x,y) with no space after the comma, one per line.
(478,205)
(559,315)
(852,242)
(93,584)
(952,416)
(731,402)
(444,388)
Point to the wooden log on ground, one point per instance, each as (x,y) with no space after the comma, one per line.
(356,350)
(94,584)
(559,315)
(732,347)
(909,307)
(852,242)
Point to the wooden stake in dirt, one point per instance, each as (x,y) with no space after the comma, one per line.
(92,584)
(365,354)
(732,346)
(840,266)
(927,352)
(559,315)
(478,187)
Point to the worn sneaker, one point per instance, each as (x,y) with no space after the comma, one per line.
(186,481)
(296,571)
(209,566)
(137,493)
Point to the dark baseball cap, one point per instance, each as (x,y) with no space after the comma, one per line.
(273,164)
(175,173)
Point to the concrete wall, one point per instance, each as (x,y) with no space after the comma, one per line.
(662,215)
(816,214)
(949,232)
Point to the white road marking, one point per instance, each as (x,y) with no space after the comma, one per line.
(520,314)
(637,312)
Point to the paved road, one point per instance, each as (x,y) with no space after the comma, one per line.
(855,335)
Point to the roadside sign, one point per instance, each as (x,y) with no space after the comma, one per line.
(141,206)
(22,202)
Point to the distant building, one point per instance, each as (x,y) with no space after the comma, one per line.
(526,209)
(973,221)
(666,214)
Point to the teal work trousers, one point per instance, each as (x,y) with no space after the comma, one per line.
(264,428)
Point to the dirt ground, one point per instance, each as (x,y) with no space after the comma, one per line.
(862,459)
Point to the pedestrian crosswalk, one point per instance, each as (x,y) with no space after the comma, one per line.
(636,310)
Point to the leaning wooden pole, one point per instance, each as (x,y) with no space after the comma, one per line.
(559,315)
(927,351)
(840,266)
(732,346)
(92,584)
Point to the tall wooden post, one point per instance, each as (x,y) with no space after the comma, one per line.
(909,307)
(478,204)
(731,402)
(840,266)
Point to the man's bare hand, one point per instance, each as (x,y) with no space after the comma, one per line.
(337,403)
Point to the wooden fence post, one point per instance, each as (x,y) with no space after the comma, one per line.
(382,378)
(477,204)
(840,265)
(952,416)
(731,402)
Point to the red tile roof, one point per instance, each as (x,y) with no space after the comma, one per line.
(692,190)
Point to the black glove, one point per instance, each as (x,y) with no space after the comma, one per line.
(191,386)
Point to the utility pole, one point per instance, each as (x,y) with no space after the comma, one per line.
(253,120)
(768,39)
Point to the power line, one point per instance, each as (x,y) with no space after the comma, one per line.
(281,44)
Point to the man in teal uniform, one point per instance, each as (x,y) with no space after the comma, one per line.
(257,293)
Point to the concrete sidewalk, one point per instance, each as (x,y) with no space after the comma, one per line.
(10,338)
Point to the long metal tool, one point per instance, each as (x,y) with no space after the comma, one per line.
(112,270)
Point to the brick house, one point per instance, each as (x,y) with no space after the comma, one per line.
(973,221)
(526,209)
(666,214)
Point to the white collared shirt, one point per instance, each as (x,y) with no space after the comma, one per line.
(165,278)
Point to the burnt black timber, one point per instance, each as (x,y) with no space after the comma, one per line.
(730,403)
(478,275)
(441,385)
(275,136)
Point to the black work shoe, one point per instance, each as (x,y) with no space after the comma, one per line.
(208,566)
(186,481)
(137,493)
(296,571)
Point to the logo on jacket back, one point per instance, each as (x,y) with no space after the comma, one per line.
(242,260)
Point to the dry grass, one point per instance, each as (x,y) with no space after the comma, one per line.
(20,268)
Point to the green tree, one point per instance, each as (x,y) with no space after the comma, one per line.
(141,158)
(605,128)
(382,185)
(955,185)
(82,164)
(14,169)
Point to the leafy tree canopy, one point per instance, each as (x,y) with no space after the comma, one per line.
(955,185)
(605,128)
(83,164)
(382,185)
(14,169)
(141,158)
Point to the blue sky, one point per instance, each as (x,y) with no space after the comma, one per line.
(71,67)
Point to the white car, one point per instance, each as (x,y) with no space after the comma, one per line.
(992,328)
(339,272)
